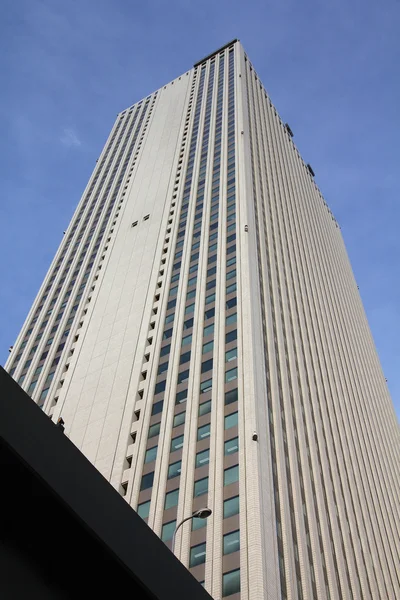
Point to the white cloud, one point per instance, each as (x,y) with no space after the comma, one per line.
(70,138)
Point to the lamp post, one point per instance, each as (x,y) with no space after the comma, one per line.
(202,513)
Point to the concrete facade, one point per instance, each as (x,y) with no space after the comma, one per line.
(215,347)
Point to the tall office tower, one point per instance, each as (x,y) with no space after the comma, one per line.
(202,336)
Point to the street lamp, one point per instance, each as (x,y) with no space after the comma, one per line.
(202,513)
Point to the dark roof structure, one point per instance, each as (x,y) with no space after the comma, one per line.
(65,532)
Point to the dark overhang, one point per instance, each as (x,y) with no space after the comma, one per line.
(65,532)
(216,52)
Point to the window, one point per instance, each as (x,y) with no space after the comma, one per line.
(168,531)
(203,432)
(207,365)
(174,470)
(208,347)
(171,499)
(198,523)
(210,298)
(188,324)
(181,397)
(232,542)
(171,304)
(154,430)
(177,443)
(231,507)
(157,408)
(147,481)
(231,375)
(151,454)
(205,408)
(231,583)
(160,387)
(205,386)
(183,376)
(231,274)
(231,319)
(162,368)
(44,392)
(184,358)
(32,385)
(209,314)
(143,509)
(179,419)
(197,555)
(200,487)
(231,475)
(187,340)
(231,446)
(231,336)
(231,288)
(165,350)
(231,396)
(231,303)
(231,355)
(208,330)
(203,458)
(231,420)
(167,334)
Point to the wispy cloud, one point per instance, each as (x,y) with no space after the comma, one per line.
(70,138)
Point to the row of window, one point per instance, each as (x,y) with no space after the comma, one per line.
(183,376)
(151,454)
(231,445)
(230,506)
(231,397)
(230,544)
(182,227)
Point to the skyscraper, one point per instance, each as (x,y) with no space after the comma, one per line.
(201,334)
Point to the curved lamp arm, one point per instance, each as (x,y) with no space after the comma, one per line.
(176,529)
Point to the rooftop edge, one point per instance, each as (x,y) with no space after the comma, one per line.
(215,52)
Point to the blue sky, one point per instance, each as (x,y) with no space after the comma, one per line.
(331,68)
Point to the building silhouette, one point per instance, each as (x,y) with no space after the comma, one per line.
(202,336)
